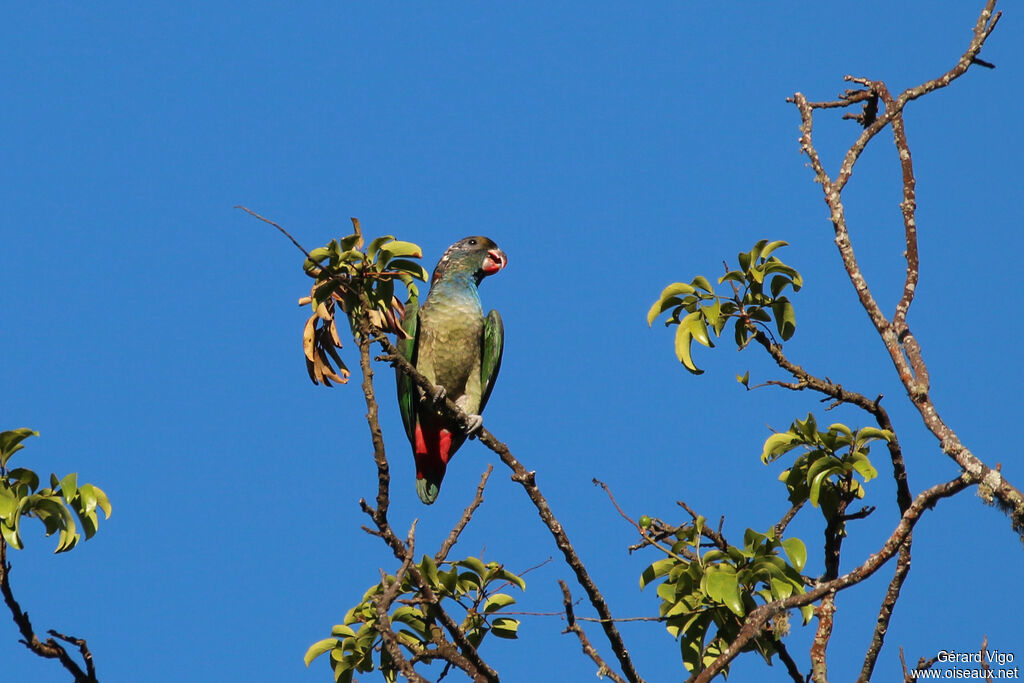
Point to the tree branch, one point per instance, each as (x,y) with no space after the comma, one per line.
(49,648)
(588,649)
(757,619)
(453,536)
(903,348)
(527,480)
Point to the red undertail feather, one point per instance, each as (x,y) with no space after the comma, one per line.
(433,449)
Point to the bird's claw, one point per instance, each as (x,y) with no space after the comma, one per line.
(473,424)
(439,395)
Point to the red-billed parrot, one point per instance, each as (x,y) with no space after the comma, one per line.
(456,348)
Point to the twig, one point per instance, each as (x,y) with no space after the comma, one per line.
(780,528)
(885,611)
(648,540)
(453,536)
(49,648)
(922,665)
(984,660)
(588,649)
(787,659)
(283,231)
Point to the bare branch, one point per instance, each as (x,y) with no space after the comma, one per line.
(453,536)
(283,231)
(885,611)
(903,348)
(588,649)
(787,659)
(49,648)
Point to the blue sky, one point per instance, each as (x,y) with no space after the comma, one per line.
(151,332)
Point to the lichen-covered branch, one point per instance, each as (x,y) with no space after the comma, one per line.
(899,341)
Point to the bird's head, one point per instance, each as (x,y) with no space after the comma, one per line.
(477,255)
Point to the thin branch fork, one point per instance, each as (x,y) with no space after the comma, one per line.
(570,617)
(49,648)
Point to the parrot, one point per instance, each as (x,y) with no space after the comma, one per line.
(449,340)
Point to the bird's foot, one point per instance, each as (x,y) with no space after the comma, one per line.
(473,425)
(438,396)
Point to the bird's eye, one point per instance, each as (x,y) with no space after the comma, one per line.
(472,243)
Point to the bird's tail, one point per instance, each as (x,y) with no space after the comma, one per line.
(429,473)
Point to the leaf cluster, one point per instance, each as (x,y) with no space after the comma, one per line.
(824,473)
(57,506)
(346,275)
(699,310)
(705,596)
(472,586)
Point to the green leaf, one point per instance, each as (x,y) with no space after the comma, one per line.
(87,499)
(785,317)
(744,260)
(702,282)
(102,500)
(723,586)
(865,434)
(474,565)
(375,245)
(781,589)
(399,248)
(744,379)
(816,483)
(733,276)
(772,246)
(10,442)
(698,328)
(778,444)
(411,267)
(506,575)
(318,648)
(505,627)
(657,569)
(10,532)
(796,551)
(683,338)
(862,465)
(691,642)
(659,306)
(8,502)
(342,631)
(69,486)
(752,540)
(497,601)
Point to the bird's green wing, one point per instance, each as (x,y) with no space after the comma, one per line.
(490,362)
(408,396)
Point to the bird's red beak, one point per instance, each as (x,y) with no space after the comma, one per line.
(494,261)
